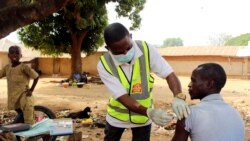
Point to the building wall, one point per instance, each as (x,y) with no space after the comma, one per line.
(89,63)
(182,65)
(234,66)
(62,66)
(65,66)
(248,66)
(4,60)
(46,65)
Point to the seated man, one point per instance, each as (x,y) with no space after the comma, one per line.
(212,119)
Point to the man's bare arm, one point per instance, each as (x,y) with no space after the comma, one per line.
(180,133)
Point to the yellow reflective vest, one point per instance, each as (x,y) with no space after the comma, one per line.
(139,87)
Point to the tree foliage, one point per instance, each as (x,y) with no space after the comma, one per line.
(219,39)
(170,42)
(52,36)
(241,40)
(77,27)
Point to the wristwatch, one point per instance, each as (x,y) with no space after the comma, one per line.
(181,96)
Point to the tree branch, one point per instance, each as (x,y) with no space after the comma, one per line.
(16,16)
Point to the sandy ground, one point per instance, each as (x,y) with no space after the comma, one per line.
(51,94)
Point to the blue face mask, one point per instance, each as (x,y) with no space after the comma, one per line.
(127,57)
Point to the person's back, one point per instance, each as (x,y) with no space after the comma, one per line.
(214,120)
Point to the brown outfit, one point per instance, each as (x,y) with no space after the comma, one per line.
(18,82)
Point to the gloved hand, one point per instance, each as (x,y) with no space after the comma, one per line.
(180,108)
(158,116)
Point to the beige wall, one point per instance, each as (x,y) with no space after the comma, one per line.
(62,66)
(182,65)
(4,60)
(89,63)
(46,65)
(65,66)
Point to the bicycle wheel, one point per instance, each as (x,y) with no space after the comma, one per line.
(40,113)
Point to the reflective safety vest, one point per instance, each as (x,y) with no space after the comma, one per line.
(139,87)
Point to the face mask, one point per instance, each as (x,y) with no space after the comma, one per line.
(127,57)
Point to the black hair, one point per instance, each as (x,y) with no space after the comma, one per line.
(115,32)
(14,46)
(215,72)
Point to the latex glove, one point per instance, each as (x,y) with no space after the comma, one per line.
(180,108)
(158,116)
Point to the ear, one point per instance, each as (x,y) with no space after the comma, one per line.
(210,84)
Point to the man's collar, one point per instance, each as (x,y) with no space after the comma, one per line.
(215,96)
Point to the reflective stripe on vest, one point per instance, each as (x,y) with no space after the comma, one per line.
(139,88)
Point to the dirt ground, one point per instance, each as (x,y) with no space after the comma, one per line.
(54,96)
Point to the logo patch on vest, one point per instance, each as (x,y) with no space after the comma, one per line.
(137,88)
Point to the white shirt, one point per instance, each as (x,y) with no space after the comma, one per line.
(214,120)
(158,65)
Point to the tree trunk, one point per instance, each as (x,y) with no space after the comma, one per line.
(76,59)
(22,15)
